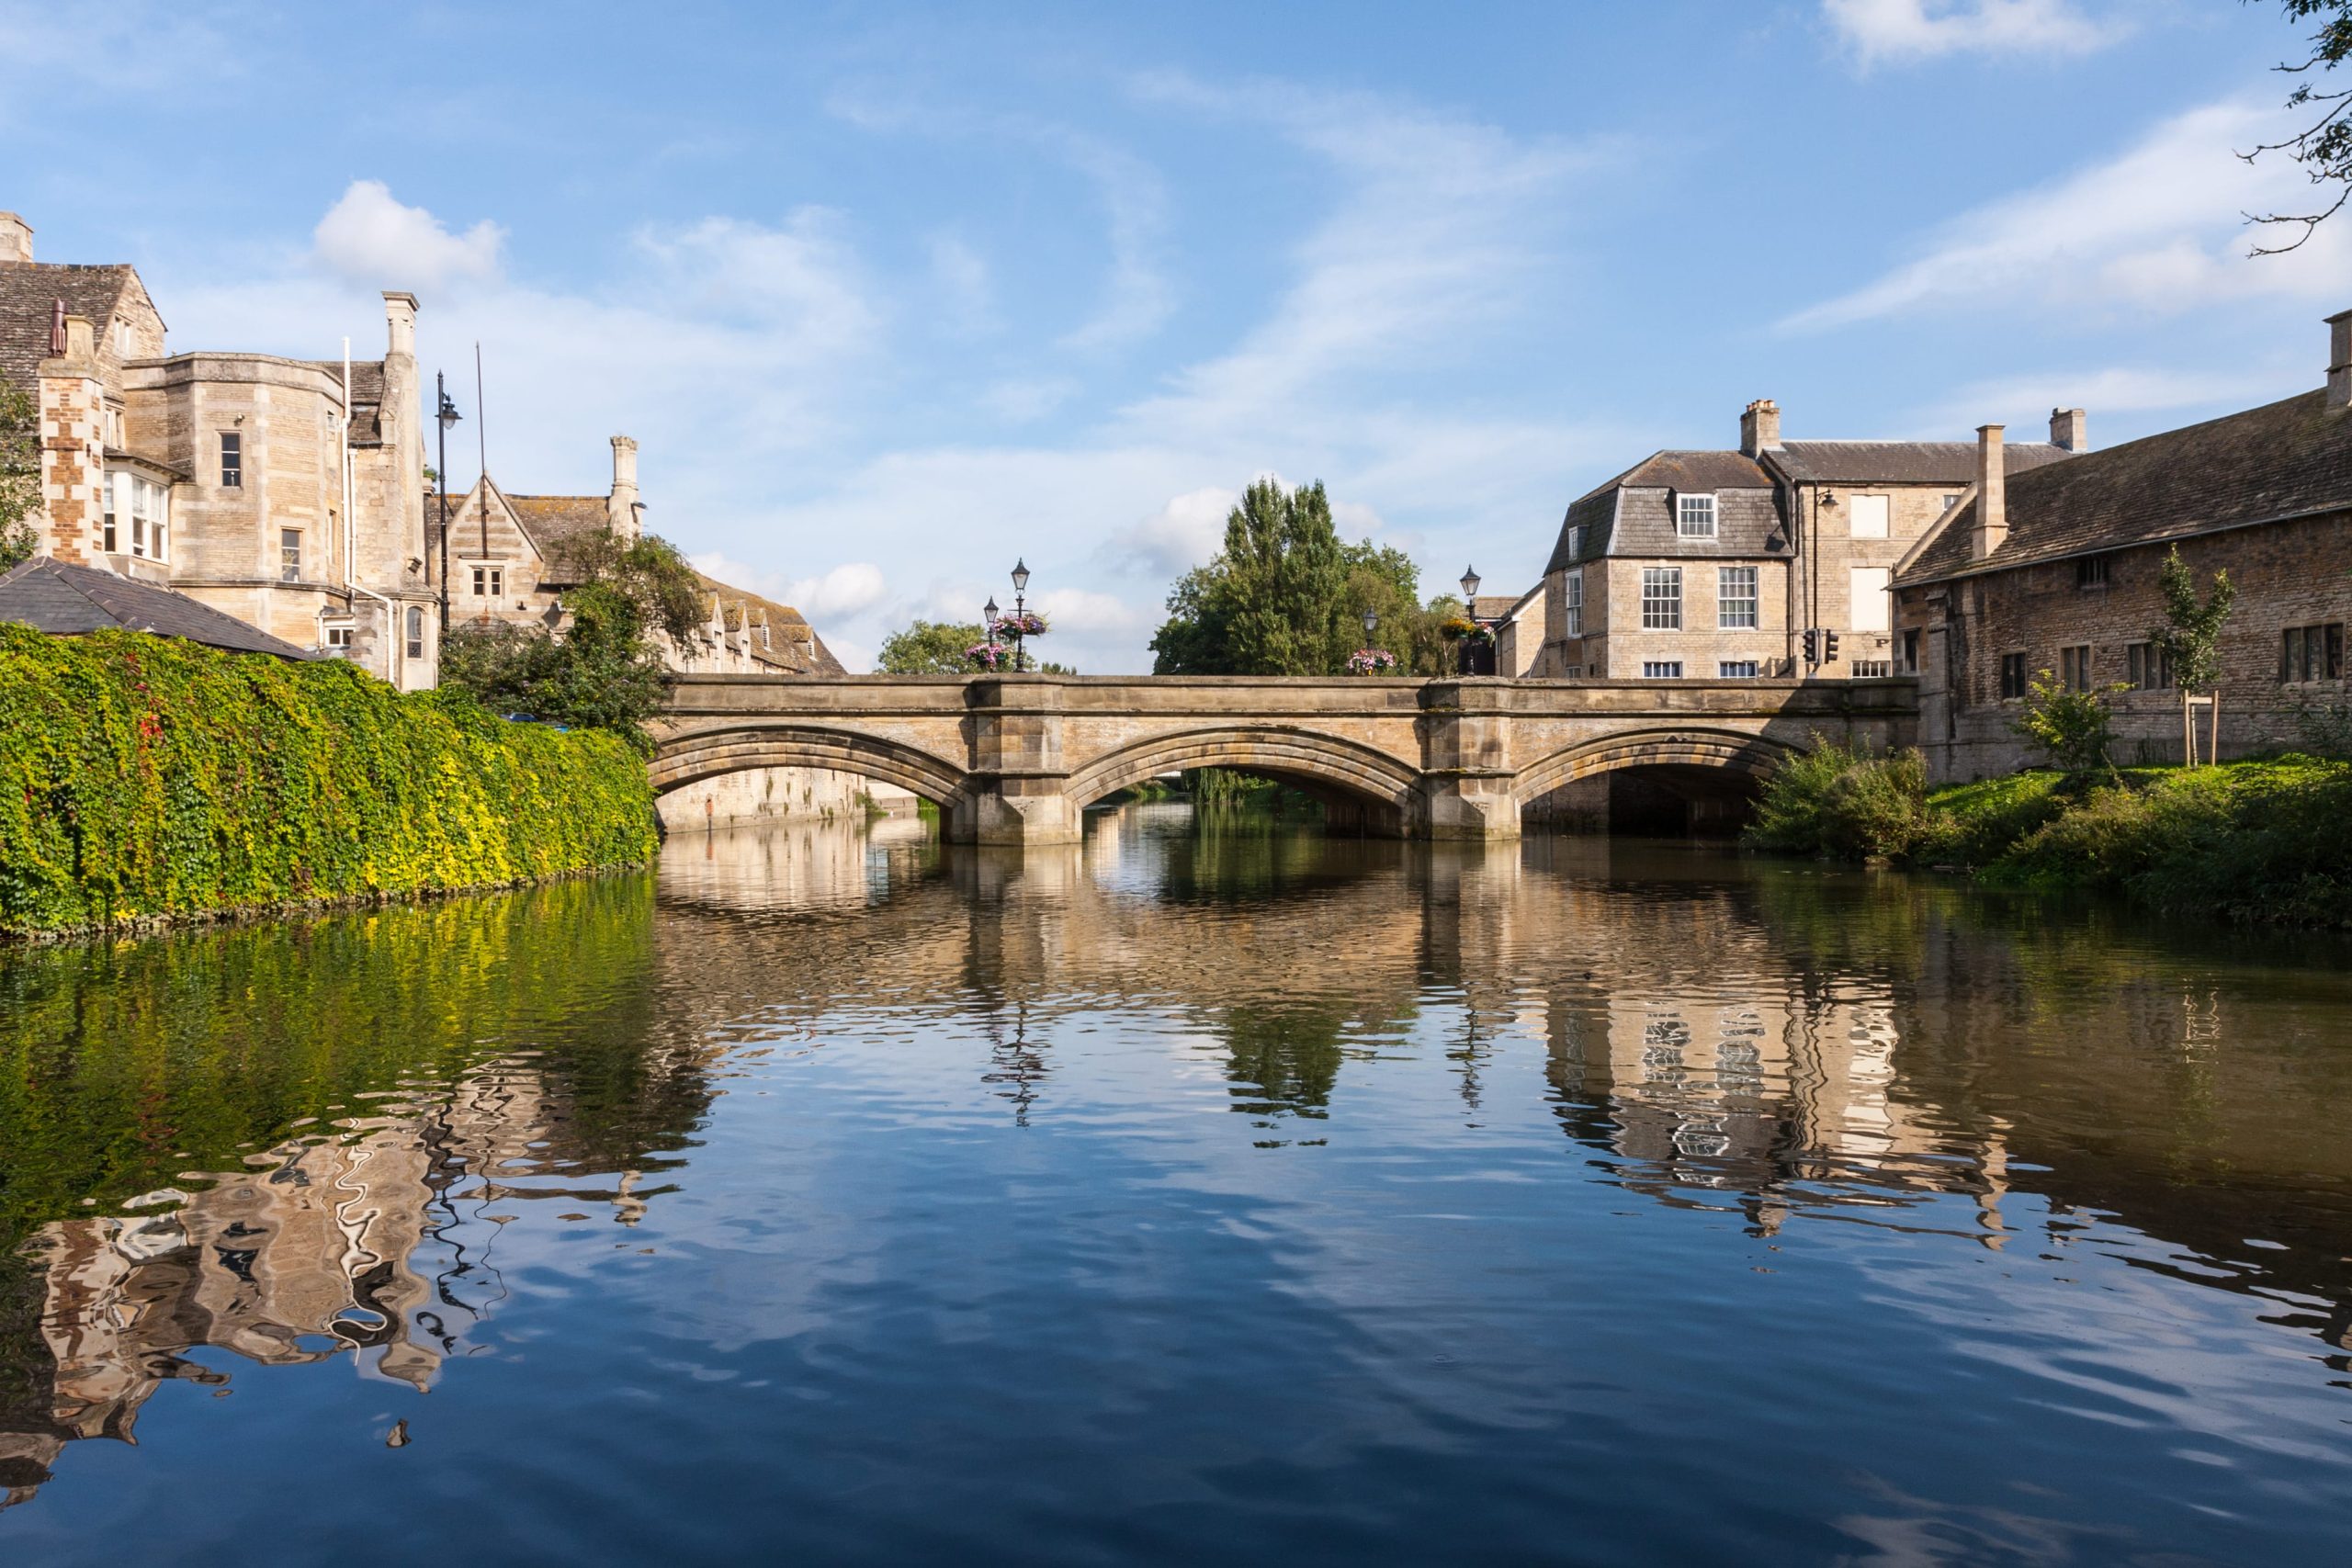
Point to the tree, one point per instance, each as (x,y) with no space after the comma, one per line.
(2191,639)
(2323,147)
(19,475)
(941,647)
(1285,596)
(2075,730)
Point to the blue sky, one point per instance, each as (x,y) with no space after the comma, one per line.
(892,295)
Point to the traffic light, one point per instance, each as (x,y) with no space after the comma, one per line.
(1829,647)
(1812,646)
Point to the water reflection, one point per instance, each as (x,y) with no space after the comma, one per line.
(819,1053)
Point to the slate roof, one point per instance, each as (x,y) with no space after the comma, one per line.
(785,623)
(1900,462)
(2286,459)
(1632,515)
(65,599)
(28,293)
(1495,607)
(366,397)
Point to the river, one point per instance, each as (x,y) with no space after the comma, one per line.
(1216,1192)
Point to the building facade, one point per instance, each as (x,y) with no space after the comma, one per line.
(2056,572)
(281,492)
(1715,565)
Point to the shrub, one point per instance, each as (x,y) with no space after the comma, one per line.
(144,776)
(2074,730)
(1843,801)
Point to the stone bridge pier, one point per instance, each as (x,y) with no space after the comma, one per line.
(1016,760)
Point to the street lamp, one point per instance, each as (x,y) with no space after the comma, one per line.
(1371,622)
(1469,587)
(446,412)
(1020,609)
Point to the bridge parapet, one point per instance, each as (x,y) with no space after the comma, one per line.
(1017,758)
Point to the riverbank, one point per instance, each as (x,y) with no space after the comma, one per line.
(2261,841)
(148,781)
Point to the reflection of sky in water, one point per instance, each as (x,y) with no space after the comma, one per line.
(1193,1192)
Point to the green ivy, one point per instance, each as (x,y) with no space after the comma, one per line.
(144,776)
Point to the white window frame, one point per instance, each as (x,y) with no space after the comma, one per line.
(486,578)
(150,519)
(1572,603)
(1727,603)
(1882,505)
(1871,669)
(1575,541)
(1657,608)
(1695,516)
(1879,599)
(1739,670)
(118,502)
(335,636)
(228,469)
(1661,670)
(290,571)
(415,632)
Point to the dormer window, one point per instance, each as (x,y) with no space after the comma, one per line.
(1575,541)
(1694,516)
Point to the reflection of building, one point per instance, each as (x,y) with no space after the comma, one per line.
(341,1244)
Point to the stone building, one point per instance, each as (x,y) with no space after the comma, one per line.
(281,492)
(2056,569)
(1712,565)
(511,558)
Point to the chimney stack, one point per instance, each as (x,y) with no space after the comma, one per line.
(2070,429)
(1992,495)
(2339,360)
(622,508)
(16,239)
(1759,427)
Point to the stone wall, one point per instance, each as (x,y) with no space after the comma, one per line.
(2288,574)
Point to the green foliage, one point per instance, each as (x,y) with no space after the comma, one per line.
(2192,630)
(1285,596)
(1974,825)
(601,674)
(2325,728)
(19,475)
(2075,730)
(1844,802)
(1225,786)
(930,648)
(666,594)
(144,776)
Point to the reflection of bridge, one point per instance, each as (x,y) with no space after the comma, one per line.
(1015,760)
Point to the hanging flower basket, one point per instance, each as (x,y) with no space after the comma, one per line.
(989,655)
(1371,661)
(1026,622)
(1458,627)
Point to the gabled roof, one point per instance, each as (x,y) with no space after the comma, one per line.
(1632,515)
(1949,463)
(28,293)
(786,626)
(64,599)
(2286,459)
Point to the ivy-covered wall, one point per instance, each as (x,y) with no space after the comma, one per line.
(145,776)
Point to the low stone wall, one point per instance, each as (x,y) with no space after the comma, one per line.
(760,795)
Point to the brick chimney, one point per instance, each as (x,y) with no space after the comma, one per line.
(1992,495)
(621,510)
(16,239)
(72,448)
(1759,427)
(2339,360)
(2070,429)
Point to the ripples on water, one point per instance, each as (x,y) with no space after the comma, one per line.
(1206,1193)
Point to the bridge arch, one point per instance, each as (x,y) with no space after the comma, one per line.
(1324,765)
(1749,757)
(682,760)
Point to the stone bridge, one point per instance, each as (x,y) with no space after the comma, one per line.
(1017,758)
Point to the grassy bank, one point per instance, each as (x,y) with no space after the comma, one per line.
(2253,841)
(144,778)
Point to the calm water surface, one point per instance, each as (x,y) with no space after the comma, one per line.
(1201,1195)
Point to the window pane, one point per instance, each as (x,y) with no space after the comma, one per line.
(1662,598)
(1735,597)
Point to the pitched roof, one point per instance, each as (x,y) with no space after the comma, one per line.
(1899,462)
(787,625)
(1495,607)
(28,293)
(64,599)
(1632,515)
(366,397)
(2285,459)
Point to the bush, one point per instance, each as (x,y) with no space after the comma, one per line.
(601,674)
(144,776)
(2074,730)
(1975,825)
(1844,802)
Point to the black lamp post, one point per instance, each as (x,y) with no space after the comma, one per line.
(1470,591)
(988,623)
(1020,611)
(1370,623)
(446,415)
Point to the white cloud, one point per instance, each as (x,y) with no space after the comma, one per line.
(370,238)
(1183,533)
(1899,30)
(2158,228)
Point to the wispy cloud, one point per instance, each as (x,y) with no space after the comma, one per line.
(2158,228)
(370,238)
(1899,32)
